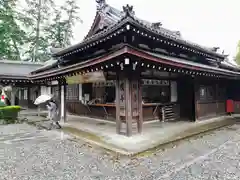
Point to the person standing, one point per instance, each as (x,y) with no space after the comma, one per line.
(53,113)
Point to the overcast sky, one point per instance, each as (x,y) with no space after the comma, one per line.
(206,22)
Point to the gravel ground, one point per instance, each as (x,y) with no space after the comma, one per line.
(28,153)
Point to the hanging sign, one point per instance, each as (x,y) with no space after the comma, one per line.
(97,76)
(155,82)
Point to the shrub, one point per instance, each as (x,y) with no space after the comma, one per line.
(9,114)
(2,104)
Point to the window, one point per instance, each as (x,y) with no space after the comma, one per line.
(73,92)
(156,91)
(211,91)
(202,92)
(221,93)
(207,93)
(104,91)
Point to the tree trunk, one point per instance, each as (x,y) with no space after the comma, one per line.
(68,26)
(17,50)
(35,53)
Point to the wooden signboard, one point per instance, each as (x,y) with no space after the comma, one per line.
(90,77)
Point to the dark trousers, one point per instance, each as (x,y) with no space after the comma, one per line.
(56,123)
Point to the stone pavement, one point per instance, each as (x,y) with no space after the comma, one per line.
(28,153)
(103,133)
(155,134)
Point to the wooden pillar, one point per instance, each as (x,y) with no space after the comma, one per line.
(60,99)
(195,94)
(13,92)
(128,106)
(63,90)
(28,97)
(216,99)
(128,103)
(65,102)
(140,108)
(118,120)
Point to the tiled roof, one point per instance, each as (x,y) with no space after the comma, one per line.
(47,65)
(17,68)
(116,15)
(110,18)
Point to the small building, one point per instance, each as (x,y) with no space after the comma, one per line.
(132,71)
(15,74)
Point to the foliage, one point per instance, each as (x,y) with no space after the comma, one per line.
(237,58)
(27,32)
(2,104)
(38,11)
(12,35)
(56,30)
(60,31)
(71,9)
(9,113)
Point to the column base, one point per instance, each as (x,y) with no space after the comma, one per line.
(123,129)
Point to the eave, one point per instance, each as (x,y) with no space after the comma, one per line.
(14,79)
(150,60)
(78,66)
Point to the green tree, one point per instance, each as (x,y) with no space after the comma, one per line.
(60,31)
(237,58)
(39,11)
(35,27)
(12,34)
(56,30)
(72,10)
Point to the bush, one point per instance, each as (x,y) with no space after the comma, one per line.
(2,104)
(9,114)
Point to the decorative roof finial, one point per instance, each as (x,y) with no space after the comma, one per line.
(100,4)
(128,10)
(178,33)
(156,25)
(215,49)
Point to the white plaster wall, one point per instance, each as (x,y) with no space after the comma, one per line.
(45,90)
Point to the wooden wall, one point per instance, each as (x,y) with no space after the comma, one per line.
(210,98)
(197,99)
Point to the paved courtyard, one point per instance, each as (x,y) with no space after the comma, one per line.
(29,153)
